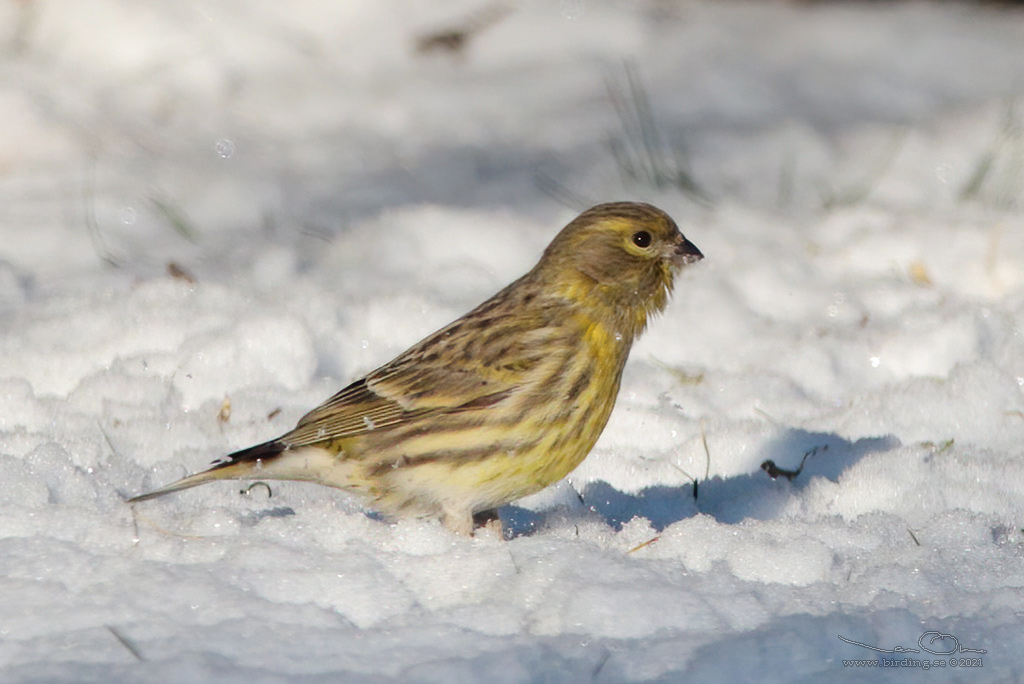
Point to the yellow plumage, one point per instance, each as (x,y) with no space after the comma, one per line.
(501,403)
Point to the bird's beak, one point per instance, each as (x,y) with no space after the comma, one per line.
(687,253)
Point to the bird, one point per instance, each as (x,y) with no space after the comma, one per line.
(499,404)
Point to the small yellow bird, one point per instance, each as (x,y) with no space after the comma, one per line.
(503,402)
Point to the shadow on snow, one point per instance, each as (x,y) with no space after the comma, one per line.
(728,499)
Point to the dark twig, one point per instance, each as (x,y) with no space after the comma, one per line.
(125,642)
(248,490)
(775,471)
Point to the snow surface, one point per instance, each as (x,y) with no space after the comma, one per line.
(329,193)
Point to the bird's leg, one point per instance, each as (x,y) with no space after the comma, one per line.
(458,521)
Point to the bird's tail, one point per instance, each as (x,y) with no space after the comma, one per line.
(240,465)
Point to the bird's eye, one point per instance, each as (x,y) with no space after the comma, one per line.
(642,239)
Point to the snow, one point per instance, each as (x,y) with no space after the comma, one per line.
(327,194)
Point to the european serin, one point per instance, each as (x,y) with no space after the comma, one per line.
(501,403)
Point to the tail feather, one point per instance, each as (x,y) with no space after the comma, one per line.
(260,452)
(239,465)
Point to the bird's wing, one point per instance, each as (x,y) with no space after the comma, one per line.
(476,362)
(350,412)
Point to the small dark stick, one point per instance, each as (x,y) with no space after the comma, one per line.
(775,471)
(248,490)
(124,642)
(454,40)
(176,271)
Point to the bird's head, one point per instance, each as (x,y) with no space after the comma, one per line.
(620,258)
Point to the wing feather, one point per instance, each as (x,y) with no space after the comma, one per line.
(474,363)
